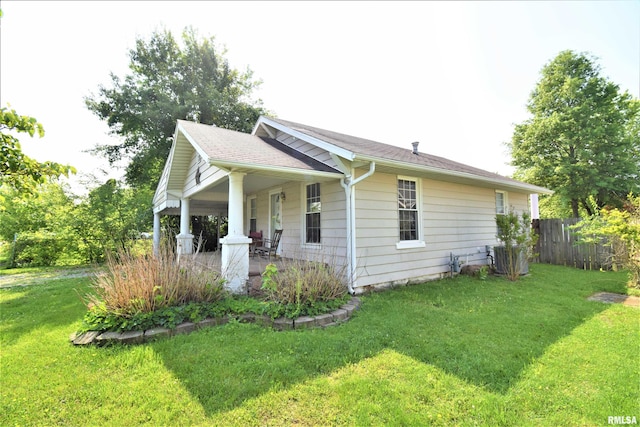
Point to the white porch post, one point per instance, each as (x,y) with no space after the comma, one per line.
(235,246)
(185,238)
(535,209)
(156,233)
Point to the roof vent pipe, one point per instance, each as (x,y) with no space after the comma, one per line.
(415,147)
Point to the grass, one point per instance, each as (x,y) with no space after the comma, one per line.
(460,351)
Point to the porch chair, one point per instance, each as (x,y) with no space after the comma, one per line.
(256,240)
(269,246)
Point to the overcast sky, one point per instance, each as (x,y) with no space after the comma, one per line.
(455,76)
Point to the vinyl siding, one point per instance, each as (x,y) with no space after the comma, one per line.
(456,218)
(160,196)
(208,175)
(332,221)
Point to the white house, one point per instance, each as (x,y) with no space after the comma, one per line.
(388,215)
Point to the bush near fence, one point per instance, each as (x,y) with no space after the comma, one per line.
(559,244)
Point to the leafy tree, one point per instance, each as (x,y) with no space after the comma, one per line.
(169,82)
(55,228)
(582,140)
(41,226)
(112,218)
(18,170)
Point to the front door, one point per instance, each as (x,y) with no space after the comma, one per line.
(275,211)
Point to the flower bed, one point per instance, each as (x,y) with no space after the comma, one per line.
(335,317)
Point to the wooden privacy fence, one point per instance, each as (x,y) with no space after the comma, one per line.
(558,244)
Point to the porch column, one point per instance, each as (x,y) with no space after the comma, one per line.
(185,238)
(156,233)
(535,209)
(235,246)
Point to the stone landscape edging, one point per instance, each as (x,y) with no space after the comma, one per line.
(335,317)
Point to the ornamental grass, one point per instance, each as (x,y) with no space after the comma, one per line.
(145,283)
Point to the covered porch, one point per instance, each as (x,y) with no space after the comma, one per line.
(257,265)
(217,172)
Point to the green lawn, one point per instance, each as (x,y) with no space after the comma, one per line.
(451,352)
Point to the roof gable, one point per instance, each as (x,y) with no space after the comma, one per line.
(226,147)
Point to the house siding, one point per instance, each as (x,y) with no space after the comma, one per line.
(160,197)
(332,221)
(208,175)
(456,218)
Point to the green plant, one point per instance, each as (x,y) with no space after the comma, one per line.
(621,228)
(514,231)
(483,272)
(268,278)
(302,287)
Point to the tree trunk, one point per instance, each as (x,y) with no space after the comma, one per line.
(574,208)
(587,207)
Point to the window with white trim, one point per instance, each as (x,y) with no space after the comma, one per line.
(501,202)
(253,215)
(408,209)
(312,214)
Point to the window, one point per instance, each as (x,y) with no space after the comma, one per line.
(253,215)
(312,215)
(408,209)
(501,202)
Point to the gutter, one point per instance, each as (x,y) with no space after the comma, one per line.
(350,198)
(508,183)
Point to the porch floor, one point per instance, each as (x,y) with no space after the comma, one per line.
(257,263)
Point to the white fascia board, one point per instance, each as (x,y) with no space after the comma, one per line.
(251,166)
(521,186)
(193,143)
(349,155)
(159,208)
(341,166)
(204,185)
(267,130)
(167,204)
(166,171)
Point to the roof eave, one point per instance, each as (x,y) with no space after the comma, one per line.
(203,154)
(521,186)
(277,169)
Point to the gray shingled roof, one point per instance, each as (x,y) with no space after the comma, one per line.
(373,149)
(226,146)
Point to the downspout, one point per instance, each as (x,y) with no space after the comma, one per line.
(347,183)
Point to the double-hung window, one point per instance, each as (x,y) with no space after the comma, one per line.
(253,215)
(312,213)
(501,202)
(408,209)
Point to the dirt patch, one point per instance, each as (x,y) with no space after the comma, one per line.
(611,298)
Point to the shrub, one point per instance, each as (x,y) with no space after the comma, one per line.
(514,231)
(621,227)
(144,283)
(303,287)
